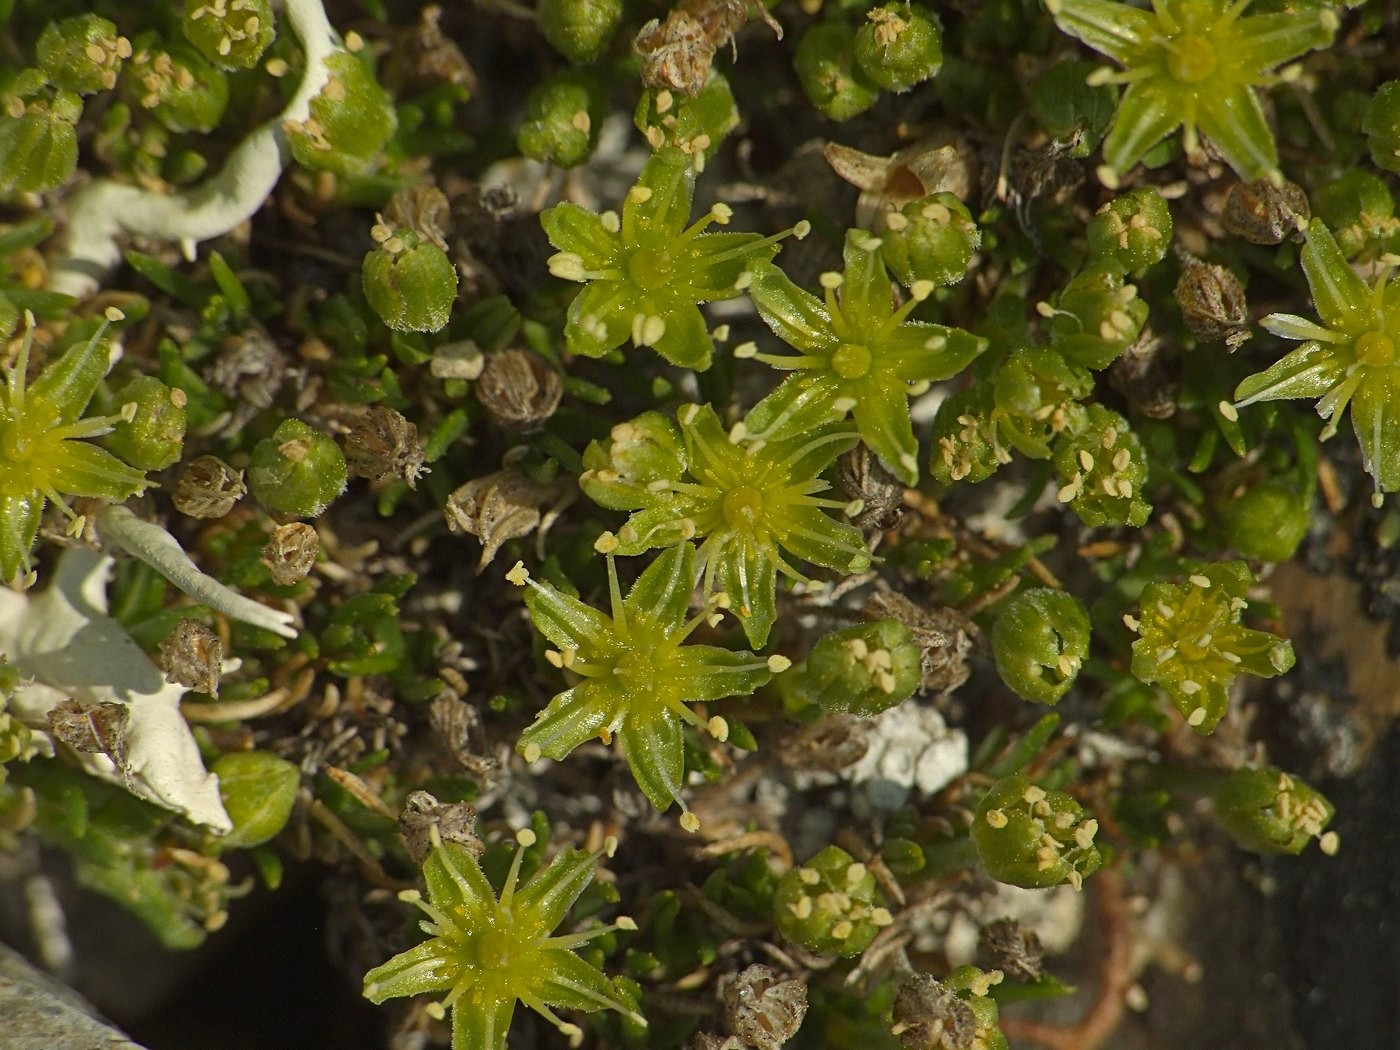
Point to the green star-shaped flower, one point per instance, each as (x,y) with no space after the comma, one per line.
(1194,63)
(1193,645)
(859,352)
(1349,359)
(751,494)
(43,452)
(488,953)
(634,673)
(646,270)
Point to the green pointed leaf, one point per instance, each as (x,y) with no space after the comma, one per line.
(866,289)
(706,672)
(482,1025)
(686,341)
(669,184)
(796,317)
(19,525)
(1268,41)
(427,967)
(564,620)
(719,259)
(654,753)
(573,984)
(1309,371)
(549,895)
(1375,415)
(931,351)
(79,469)
(600,318)
(749,576)
(456,883)
(68,383)
(1108,26)
(822,540)
(800,404)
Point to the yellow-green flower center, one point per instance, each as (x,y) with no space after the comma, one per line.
(496,945)
(13,444)
(637,670)
(1191,59)
(650,268)
(851,361)
(742,507)
(1375,348)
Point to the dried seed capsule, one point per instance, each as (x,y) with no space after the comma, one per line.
(296,471)
(878,493)
(830,905)
(676,54)
(496,508)
(151,434)
(518,389)
(455,822)
(192,655)
(945,637)
(422,208)
(579,29)
(1040,640)
(1359,208)
(1213,304)
(899,46)
(763,1011)
(98,729)
(1015,949)
(382,444)
(828,745)
(1262,213)
(1147,377)
(208,488)
(1131,232)
(928,1015)
(290,552)
(827,70)
(864,669)
(83,53)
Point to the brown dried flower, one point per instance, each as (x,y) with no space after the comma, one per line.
(518,389)
(208,488)
(97,730)
(381,445)
(1262,213)
(764,1011)
(946,636)
(929,1015)
(192,655)
(1213,304)
(1014,949)
(864,479)
(455,821)
(290,552)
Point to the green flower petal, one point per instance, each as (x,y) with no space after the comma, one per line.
(750,577)
(482,1025)
(662,592)
(1342,298)
(564,620)
(796,317)
(427,967)
(800,404)
(653,747)
(1267,41)
(686,341)
(713,262)
(668,184)
(661,526)
(19,525)
(882,417)
(1375,415)
(934,352)
(822,540)
(80,469)
(865,293)
(578,230)
(456,884)
(600,318)
(572,717)
(69,383)
(573,984)
(1236,126)
(1108,26)
(1309,371)
(705,672)
(547,897)
(1146,115)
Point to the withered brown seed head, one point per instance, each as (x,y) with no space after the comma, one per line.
(192,655)
(518,389)
(676,54)
(862,477)
(208,488)
(1014,949)
(1262,213)
(96,730)
(455,821)
(1213,303)
(290,552)
(381,445)
(763,1010)
(829,745)
(929,1016)
(422,208)
(496,508)
(946,636)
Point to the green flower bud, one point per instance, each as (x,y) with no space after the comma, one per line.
(830,905)
(562,119)
(1382,126)
(83,53)
(297,471)
(865,669)
(233,34)
(1131,232)
(1065,106)
(965,440)
(1027,836)
(151,434)
(1095,318)
(899,46)
(930,240)
(694,124)
(1269,811)
(184,91)
(579,29)
(258,790)
(38,141)
(1040,641)
(1266,521)
(410,282)
(1359,208)
(1104,470)
(1036,393)
(826,69)
(349,122)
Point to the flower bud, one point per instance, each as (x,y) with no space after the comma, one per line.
(930,240)
(1382,126)
(1096,318)
(1269,811)
(1131,232)
(153,435)
(899,46)
(830,905)
(349,121)
(1027,836)
(83,53)
(233,34)
(297,471)
(1267,520)
(38,139)
(562,119)
(826,69)
(1104,470)
(579,29)
(864,669)
(1040,640)
(178,85)
(410,283)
